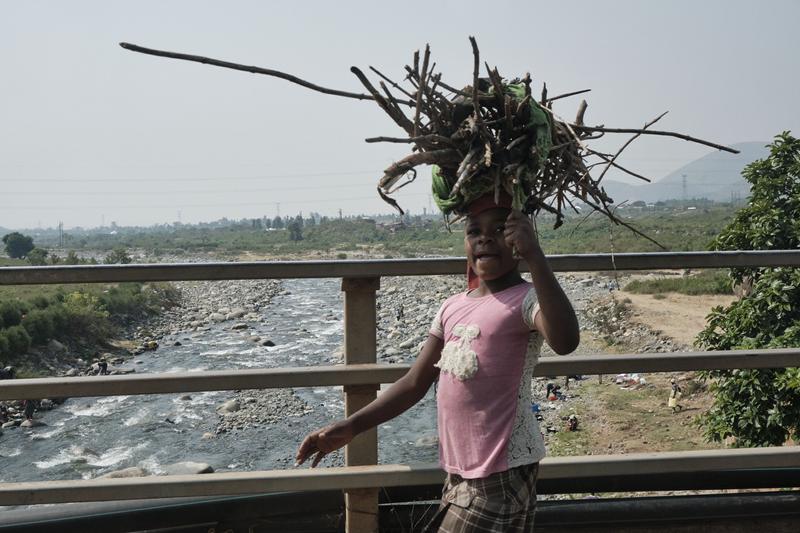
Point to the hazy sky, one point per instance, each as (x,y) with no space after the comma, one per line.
(90,132)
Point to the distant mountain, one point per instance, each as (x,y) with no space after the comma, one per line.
(715,176)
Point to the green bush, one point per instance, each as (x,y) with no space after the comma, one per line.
(39,301)
(18,340)
(39,325)
(5,347)
(58,316)
(85,317)
(11,312)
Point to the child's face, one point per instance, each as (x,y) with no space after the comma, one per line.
(487,252)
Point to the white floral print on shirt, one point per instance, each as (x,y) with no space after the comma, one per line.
(458,358)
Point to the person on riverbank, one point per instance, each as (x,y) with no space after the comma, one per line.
(675,394)
(29,407)
(482,347)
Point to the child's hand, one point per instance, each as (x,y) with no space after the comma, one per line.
(324,441)
(519,234)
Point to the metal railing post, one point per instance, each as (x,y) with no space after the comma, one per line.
(360,322)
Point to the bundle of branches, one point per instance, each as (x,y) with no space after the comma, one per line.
(488,137)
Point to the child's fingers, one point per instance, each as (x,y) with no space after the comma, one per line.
(318,458)
(306,449)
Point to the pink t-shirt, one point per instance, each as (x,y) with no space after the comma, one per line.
(486,424)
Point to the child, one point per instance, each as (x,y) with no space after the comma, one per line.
(482,348)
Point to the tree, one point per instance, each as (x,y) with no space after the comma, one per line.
(277,222)
(118,255)
(760,407)
(37,257)
(295,231)
(17,245)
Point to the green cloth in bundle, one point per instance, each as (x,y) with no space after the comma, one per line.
(482,183)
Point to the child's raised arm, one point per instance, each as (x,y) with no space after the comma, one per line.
(556,320)
(403,394)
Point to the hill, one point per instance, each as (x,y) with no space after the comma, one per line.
(715,176)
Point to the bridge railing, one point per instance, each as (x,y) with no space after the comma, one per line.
(361,375)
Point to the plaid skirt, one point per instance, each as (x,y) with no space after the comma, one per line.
(504,502)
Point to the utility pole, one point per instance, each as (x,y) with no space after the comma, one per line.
(278,209)
(685,196)
(60,234)
(340,213)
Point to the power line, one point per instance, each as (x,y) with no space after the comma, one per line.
(217,178)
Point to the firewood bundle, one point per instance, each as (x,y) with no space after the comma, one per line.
(490,137)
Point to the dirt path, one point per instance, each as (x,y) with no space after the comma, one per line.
(674,315)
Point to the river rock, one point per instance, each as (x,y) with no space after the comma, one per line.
(239,326)
(46,404)
(10,424)
(236,313)
(55,346)
(231,406)
(216,317)
(185,398)
(32,424)
(71,372)
(188,467)
(254,338)
(427,441)
(207,436)
(133,471)
(267,342)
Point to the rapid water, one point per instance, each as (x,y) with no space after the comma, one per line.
(87,437)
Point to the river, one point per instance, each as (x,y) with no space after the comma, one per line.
(89,437)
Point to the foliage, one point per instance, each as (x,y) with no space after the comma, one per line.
(85,316)
(706,282)
(19,341)
(295,231)
(11,312)
(118,256)
(17,244)
(37,257)
(39,325)
(760,407)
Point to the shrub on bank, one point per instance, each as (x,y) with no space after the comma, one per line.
(39,325)
(11,312)
(19,341)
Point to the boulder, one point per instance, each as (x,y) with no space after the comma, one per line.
(254,338)
(71,372)
(207,436)
(187,467)
(216,317)
(10,424)
(239,326)
(231,406)
(31,424)
(133,471)
(267,342)
(185,398)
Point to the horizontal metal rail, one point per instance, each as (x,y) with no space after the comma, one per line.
(382,267)
(368,374)
(231,483)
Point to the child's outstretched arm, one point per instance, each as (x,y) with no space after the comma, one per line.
(402,395)
(556,320)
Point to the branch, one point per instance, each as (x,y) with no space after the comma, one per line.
(636,136)
(251,69)
(566,95)
(656,132)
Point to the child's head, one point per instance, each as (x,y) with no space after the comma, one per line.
(488,255)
